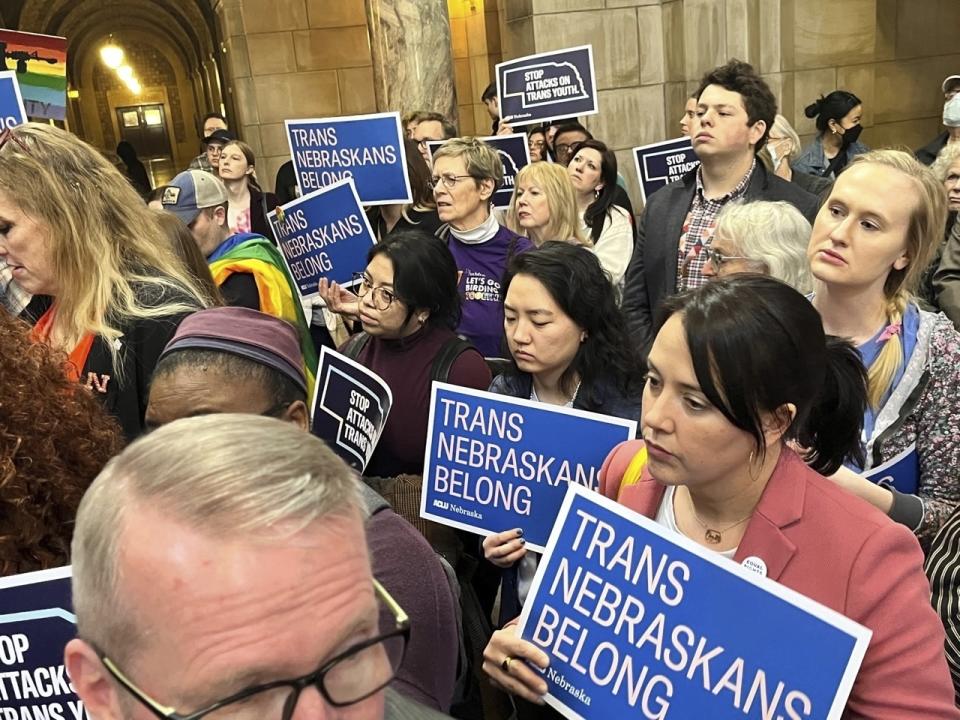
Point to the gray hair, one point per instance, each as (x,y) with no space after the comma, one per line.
(774,235)
(783,127)
(229,475)
(947,157)
(481,161)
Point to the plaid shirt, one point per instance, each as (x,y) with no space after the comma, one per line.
(698,230)
(200,162)
(12,297)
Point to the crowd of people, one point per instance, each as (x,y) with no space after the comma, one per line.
(781,322)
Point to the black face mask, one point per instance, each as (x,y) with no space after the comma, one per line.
(850,135)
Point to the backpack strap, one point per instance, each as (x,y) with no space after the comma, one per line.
(622,468)
(355,345)
(443,362)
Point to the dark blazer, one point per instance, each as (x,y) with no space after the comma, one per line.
(838,550)
(819,186)
(258,219)
(652,274)
(928,153)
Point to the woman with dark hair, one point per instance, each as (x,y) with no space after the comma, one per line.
(593,171)
(54,439)
(838,127)
(569,346)
(249,205)
(409,307)
(421,214)
(740,371)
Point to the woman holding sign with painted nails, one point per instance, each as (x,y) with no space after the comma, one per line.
(739,371)
(569,347)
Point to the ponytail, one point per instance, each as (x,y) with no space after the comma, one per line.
(884,369)
(832,428)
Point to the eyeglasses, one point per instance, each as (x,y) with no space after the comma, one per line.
(382,297)
(448,180)
(717,259)
(7,135)
(536,144)
(352,676)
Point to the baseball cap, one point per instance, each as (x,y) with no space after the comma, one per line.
(219,136)
(951,80)
(250,334)
(190,192)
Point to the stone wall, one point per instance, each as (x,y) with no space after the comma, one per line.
(650,53)
(475,36)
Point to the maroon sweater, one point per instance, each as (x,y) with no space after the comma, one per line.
(405,366)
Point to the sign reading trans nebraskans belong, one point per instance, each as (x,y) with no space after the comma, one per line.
(350,408)
(36,623)
(641,622)
(324,234)
(547,86)
(12,112)
(662,163)
(496,463)
(365,148)
(514,153)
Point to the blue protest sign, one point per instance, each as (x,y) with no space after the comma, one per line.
(547,86)
(350,408)
(324,234)
(902,471)
(639,621)
(12,112)
(495,463)
(366,148)
(514,153)
(661,163)
(36,622)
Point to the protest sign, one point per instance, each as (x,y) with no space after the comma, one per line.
(640,621)
(661,163)
(547,86)
(495,463)
(350,408)
(902,471)
(40,62)
(514,153)
(11,104)
(36,622)
(324,234)
(366,148)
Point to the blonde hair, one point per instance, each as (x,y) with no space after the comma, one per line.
(481,161)
(107,251)
(227,476)
(555,183)
(774,235)
(927,220)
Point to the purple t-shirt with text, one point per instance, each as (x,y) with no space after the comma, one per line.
(480,270)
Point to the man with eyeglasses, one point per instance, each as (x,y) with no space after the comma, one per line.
(432,127)
(221,571)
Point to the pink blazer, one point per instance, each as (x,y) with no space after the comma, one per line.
(842,552)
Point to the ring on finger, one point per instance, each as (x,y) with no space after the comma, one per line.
(505,665)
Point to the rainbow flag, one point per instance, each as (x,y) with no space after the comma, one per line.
(40,62)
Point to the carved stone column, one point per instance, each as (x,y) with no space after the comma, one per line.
(412,56)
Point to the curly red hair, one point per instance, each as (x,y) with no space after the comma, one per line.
(54,439)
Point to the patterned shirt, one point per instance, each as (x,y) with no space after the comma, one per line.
(12,297)
(698,230)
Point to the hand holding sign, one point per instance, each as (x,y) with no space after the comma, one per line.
(339,299)
(505,662)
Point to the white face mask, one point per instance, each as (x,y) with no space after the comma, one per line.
(951,111)
(775,157)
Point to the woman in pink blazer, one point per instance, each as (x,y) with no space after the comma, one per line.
(739,374)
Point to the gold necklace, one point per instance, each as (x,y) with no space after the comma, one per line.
(711,535)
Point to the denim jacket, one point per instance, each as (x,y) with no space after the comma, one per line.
(813,161)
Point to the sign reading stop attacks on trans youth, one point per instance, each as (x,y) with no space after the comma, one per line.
(366,148)
(324,234)
(36,623)
(662,163)
(547,86)
(514,154)
(350,408)
(641,622)
(496,463)
(11,103)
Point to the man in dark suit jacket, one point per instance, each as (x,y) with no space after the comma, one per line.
(735,111)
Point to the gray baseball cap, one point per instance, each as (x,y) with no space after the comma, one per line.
(190,192)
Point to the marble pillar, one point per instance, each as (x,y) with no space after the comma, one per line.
(412,57)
